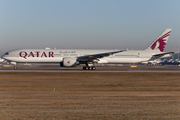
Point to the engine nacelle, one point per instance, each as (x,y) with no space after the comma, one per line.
(69,62)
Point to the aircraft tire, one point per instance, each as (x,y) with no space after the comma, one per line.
(15,68)
(84,68)
(93,68)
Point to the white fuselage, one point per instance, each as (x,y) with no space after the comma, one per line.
(74,57)
(57,55)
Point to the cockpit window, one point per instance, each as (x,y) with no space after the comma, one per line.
(6,53)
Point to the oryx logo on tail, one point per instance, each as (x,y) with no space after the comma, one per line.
(160,43)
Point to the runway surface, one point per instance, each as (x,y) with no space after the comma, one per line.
(56,68)
(156,71)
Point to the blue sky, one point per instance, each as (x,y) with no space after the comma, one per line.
(87,24)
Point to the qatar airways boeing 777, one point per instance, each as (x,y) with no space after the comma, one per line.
(74,57)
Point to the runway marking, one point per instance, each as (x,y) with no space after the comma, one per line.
(133,66)
(7,65)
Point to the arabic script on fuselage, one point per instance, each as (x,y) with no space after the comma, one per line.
(63,52)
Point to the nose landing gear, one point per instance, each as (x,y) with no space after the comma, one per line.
(15,68)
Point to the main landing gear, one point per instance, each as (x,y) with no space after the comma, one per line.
(89,68)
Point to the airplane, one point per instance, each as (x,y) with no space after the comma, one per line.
(74,57)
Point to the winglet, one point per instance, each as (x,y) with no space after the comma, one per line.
(160,43)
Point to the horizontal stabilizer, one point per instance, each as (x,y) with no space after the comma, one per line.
(157,56)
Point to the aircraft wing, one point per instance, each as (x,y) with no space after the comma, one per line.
(157,56)
(95,56)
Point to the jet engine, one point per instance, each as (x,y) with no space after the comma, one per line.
(69,62)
